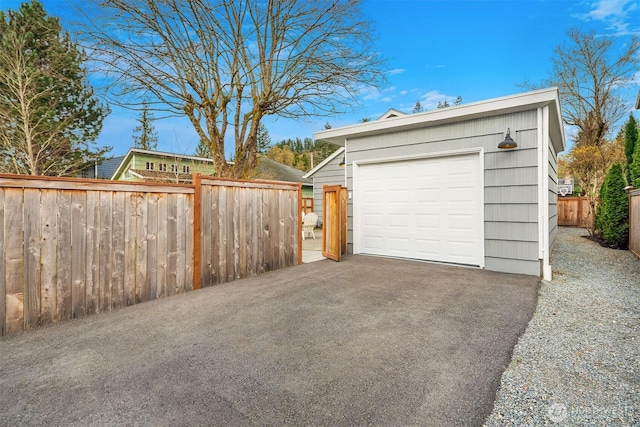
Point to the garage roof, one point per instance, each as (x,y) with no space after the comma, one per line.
(505,105)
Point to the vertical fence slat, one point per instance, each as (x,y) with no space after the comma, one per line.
(188,242)
(181,245)
(32,257)
(3,289)
(92,254)
(48,272)
(206,253)
(117,250)
(172,244)
(161,243)
(78,253)
(130,233)
(141,249)
(152,247)
(63,285)
(634,222)
(14,260)
(105,250)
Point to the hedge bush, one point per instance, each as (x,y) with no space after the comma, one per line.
(613,215)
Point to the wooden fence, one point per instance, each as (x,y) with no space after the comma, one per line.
(70,247)
(634,222)
(574,211)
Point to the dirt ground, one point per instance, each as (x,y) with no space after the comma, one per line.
(364,341)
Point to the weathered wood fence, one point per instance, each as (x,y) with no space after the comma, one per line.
(634,221)
(574,211)
(71,248)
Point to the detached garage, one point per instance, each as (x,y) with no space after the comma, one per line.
(435,186)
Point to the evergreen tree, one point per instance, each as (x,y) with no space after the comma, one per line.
(145,136)
(49,117)
(630,142)
(264,140)
(202,150)
(614,209)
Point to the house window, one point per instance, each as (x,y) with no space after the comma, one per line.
(174,168)
(162,167)
(185,169)
(150,166)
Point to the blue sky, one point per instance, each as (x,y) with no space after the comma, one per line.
(435,51)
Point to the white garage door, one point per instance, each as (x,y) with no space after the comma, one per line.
(429,209)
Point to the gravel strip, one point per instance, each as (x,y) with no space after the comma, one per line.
(578,362)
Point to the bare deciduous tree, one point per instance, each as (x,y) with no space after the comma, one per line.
(226,64)
(589,74)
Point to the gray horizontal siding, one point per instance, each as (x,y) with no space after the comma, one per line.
(514,231)
(516,194)
(511,249)
(553,196)
(517,266)
(330,174)
(511,212)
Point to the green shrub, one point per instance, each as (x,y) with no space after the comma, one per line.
(613,215)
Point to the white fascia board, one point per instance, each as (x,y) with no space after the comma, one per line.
(491,107)
(323,163)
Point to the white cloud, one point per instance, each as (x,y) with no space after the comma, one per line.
(403,92)
(616,14)
(396,71)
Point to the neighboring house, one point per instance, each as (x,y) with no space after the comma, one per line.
(102,170)
(435,186)
(269,169)
(147,165)
(565,186)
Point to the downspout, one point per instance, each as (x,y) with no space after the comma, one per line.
(546,265)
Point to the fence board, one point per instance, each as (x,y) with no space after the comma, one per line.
(117,250)
(32,257)
(71,248)
(141,249)
(3,288)
(78,253)
(634,222)
(48,234)
(14,259)
(63,285)
(152,246)
(182,248)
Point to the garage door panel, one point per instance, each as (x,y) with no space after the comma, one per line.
(427,209)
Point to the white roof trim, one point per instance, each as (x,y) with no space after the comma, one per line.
(505,105)
(324,162)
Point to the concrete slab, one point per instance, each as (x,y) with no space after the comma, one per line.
(364,341)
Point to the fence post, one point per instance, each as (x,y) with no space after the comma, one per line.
(197,226)
(300,223)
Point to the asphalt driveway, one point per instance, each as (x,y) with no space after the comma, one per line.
(365,341)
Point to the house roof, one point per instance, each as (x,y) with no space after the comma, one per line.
(505,105)
(271,170)
(161,154)
(324,162)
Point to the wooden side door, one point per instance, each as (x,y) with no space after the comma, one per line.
(334,226)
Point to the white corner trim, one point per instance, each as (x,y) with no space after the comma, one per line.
(546,266)
(540,141)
